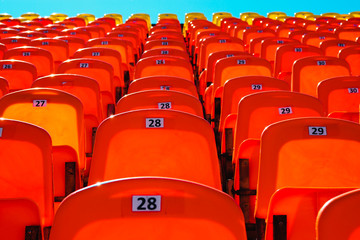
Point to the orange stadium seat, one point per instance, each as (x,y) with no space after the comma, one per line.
(231,67)
(153,44)
(58,48)
(286,56)
(344,207)
(79,22)
(348,33)
(85,35)
(340,97)
(206,78)
(26,196)
(256,32)
(352,57)
(122,46)
(309,71)
(164,65)
(88,91)
(132,37)
(317,38)
(95,31)
(74,43)
(8,32)
(285,30)
(181,143)
(216,44)
(167,52)
(159,99)
(270,45)
(49,32)
(31,25)
(234,90)
(333,47)
(4,86)
(154,204)
(323,150)
(99,70)
(292,211)
(12,69)
(165,83)
(31,34)
(41,58)
(110,56)
(11,22)
(250,123)
(61,114)
(13,42)
(107,26)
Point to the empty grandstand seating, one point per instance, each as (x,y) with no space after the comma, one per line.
(264,108)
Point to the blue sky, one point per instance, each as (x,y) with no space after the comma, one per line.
(179,7)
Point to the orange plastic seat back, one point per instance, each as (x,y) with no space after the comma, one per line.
(26,167)
(164,66)
(13,42)
(130,144)
(163,83)
(237,88)
(122,46)
(333,47)
(300,206)
(99,70)
(270,45)
(340,94)
(31,34)
(41,58)
(286,56)
(59,49)
(308,72)
(237,66)
(216,44)
(307,152)
(352,56)
(74,43)
(348,33)
(212,60)
(164,43)
(12,69)
(84,88)
(206,212)
(344,207)
(59,113)
(8,32)
(317,38)
(159,99)
(166,52)
(276,106)
(256,32)
(74,32)
(108,55)
(49,32)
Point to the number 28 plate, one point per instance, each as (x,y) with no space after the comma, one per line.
(147,203)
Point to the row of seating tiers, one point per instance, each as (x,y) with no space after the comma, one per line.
(235,128)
